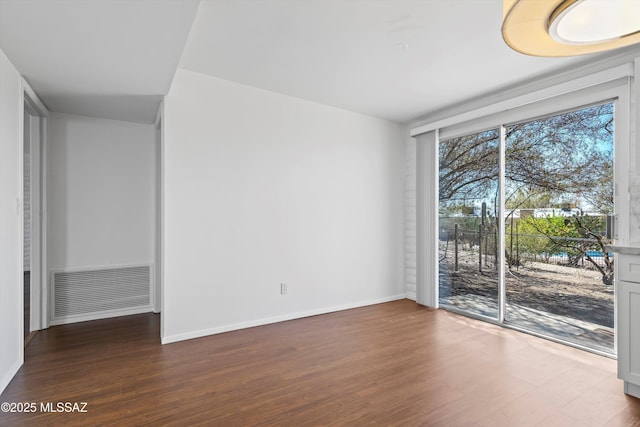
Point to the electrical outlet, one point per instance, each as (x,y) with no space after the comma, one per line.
(283,288)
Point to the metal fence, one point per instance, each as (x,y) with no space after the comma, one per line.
(460,244)
(482,243)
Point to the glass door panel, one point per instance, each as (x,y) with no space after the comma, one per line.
(468,216)
(559,207)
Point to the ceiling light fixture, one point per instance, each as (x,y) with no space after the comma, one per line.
(570,27)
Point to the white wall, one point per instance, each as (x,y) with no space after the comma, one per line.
(262,188)
(100,192)
(11,292)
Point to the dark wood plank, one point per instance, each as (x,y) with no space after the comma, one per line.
(387,364)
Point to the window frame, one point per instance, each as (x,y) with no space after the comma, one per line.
(615,90)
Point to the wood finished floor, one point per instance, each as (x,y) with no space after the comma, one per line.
(388,364)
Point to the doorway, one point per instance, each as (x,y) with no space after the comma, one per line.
(26,210)
(525,217)
(33,201)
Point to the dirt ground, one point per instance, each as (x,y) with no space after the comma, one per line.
(574,292)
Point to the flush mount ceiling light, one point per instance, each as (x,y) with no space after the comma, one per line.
(570,27)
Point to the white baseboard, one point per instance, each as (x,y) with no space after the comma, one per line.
(8,376)
(275,319)
(100,315)
(411,295)
(632,389)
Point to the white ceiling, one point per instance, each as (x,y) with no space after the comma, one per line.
(102,58)
(395,59)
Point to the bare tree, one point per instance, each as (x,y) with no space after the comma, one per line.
(562,154)
(554,161)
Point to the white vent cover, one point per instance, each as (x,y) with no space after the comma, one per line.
(84,295)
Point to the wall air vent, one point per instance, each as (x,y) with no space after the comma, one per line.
(100,293)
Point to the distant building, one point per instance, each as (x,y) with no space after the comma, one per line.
(550,212)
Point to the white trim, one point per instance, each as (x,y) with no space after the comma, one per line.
(275,319)
(556,105)
(159,114)
(40,109)
(161,213)
(623,163)
(632,389)
(158,183)
(11,372)
(434,289)
(502,285)
(423,163)
(20,213)
(44,275)
(36,249)
(101,315)
(39,300)
(634,117)
(624,70)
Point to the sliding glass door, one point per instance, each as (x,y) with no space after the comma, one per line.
(468,236)
(559,201)
(557,275)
